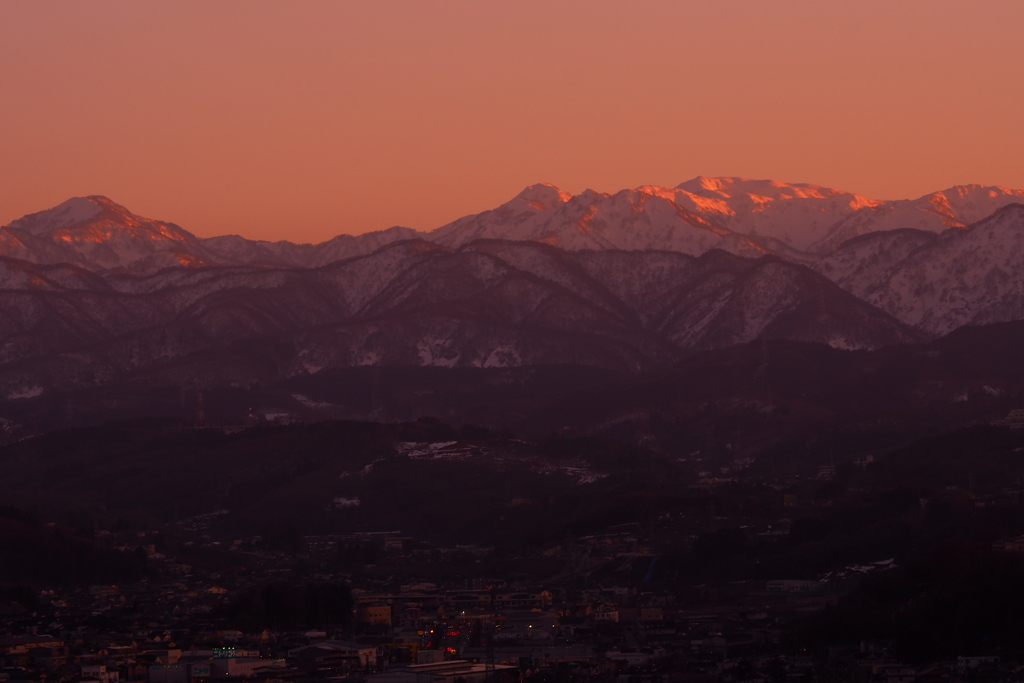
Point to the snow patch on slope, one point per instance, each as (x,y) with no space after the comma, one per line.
(30,392)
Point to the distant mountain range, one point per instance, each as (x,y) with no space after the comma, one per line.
(746,217)
(91,294)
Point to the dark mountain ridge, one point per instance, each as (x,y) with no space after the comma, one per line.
(488,304)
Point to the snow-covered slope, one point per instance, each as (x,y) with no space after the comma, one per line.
(955,207)
(940,282)
(640,219)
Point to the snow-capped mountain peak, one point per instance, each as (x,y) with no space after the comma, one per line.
(94,219)
(99,234)
(541,197)
(74,211)
(799,215)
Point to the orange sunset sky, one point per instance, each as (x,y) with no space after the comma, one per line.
(281,120)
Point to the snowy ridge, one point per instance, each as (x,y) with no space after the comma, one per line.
(100,235)
(641,219)
(626,280)
(963,276)
(800,222)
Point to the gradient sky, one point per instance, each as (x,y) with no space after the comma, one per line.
(282,120)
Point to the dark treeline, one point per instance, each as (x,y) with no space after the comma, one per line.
(56,555)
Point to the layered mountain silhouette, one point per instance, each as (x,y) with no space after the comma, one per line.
(92,294)
(799,222)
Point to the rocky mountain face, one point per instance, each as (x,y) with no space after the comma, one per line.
(91,294)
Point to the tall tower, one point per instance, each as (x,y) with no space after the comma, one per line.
(200,413)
